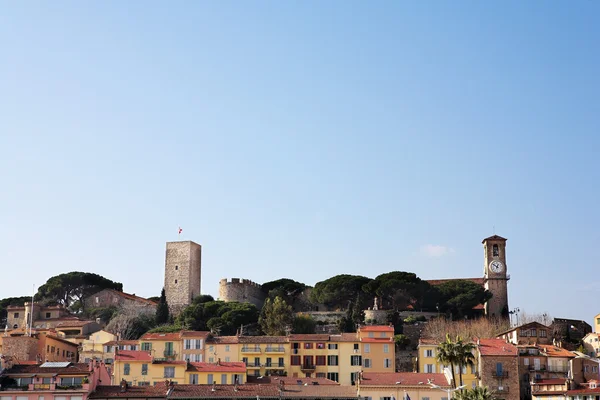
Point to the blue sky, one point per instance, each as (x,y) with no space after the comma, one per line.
(302,140)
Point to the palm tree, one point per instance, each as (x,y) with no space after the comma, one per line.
(464,356)
(446,355)
(477,393)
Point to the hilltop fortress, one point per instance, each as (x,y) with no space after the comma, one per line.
(183,271)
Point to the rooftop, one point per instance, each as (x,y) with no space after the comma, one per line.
(376,328)
(496,347)
(133,355)
(174,336)
(49,368)
(221,366)
(403,378)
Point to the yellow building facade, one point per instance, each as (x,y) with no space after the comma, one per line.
(427,362)
(92,348)
(163,346)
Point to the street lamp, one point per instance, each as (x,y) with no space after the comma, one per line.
(449,391)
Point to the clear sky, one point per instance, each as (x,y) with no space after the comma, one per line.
(302,139)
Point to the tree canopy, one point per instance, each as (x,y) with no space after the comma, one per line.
(70,289)
(339,291)
(459,296)
(223,318)
(276,317)
(399,289)
(162,310)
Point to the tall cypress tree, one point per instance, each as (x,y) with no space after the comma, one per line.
(162,310)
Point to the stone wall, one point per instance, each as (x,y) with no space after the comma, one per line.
(377,317)
(22,348)
(507,386)
(182,274)
(242,290)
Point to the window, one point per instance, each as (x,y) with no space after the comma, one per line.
(424,398)
(428,353)
(169,349)
(387,363)
(223,379)
(333,376)
(526,361)
(48,315)
(594,368)
(169,372)
(429,368)
(143,383)
(532,332)
(16,315)
(211,348)
(542,333)
(371,334)
(187,344)
(587,368)
(332,360)
(227,347)
(175,280)
(367,363)
(210,379)
(367,348)
(146,346)
(355,360)
(334,346)
(227,359)
(320,360)
(71,381)
(308,345)
(382,334)
(320,345)
(295,360)
(281,363)
(321,375)
(355,346)
(176,267)
(126,368)
(386,348)
(144,369)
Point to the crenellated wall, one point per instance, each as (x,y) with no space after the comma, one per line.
(242,290)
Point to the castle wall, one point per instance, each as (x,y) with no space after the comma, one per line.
(242,290)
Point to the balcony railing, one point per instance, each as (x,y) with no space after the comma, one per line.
(308,367)
(501,389)
(275,349)
(44,386)
(537,367)
(275,365)
(500,374)
(255,349)
(558,368)
(169,354)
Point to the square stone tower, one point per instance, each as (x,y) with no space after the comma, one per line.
(183,267)
(495,276)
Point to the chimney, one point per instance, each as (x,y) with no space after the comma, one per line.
(123,386)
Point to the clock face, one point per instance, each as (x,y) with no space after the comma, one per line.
(496,266)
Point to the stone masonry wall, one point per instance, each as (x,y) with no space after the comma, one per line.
(23,348)
(182,274)
(509,382)
(242,290)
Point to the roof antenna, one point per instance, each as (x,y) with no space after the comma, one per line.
(494,229)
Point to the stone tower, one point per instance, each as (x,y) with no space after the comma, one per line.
(495,276)
(183,267)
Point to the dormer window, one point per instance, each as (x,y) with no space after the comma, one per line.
(592,385)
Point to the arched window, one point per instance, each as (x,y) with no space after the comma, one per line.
(495,250)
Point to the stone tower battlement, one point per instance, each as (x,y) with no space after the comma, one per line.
(242,290)
(183,269)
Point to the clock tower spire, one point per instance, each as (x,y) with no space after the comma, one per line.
(495,276)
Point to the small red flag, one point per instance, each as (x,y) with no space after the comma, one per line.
(180,230)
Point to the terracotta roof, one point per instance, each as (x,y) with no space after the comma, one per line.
(553,351)
(435,282)
(494,237)
(169,362)
(194,334)
(131,297)
(524,326)
(161,336)
(287,380)
(496,347)
(115,342)
(428,342)
(309,337)
(584,391)
(344,337)
(72,368)
(263,391)
(262,339)
(548,393)
(376,340)
(133,355)
(73,323)
(222,340)
(376,328)
(239,367)
(103,392)
(550,382)
(405,378)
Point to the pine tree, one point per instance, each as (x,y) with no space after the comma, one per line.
(276,317)
(162,310)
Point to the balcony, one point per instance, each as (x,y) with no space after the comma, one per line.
(44,386)
(169,354)
(308,367)
(500,374)
(251,350)
(274,365)
(252,365)
(558,368)
(537,367)
(275,349)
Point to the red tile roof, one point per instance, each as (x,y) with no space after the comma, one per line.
(428,342)
(133,355)
(111,392)
(124,342)
(222,340)
(376,328)
(262,339)
(287,380)
(584,391)
(161,336)
(194,334)
(133,297)
(405,378)
(377,340)
(263,391)
(72,368)
(70,323)
(238,367)
(496,347)
(309,337)
(553,351)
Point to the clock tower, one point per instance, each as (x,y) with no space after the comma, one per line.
(495,276)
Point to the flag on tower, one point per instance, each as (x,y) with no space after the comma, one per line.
(180,230)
